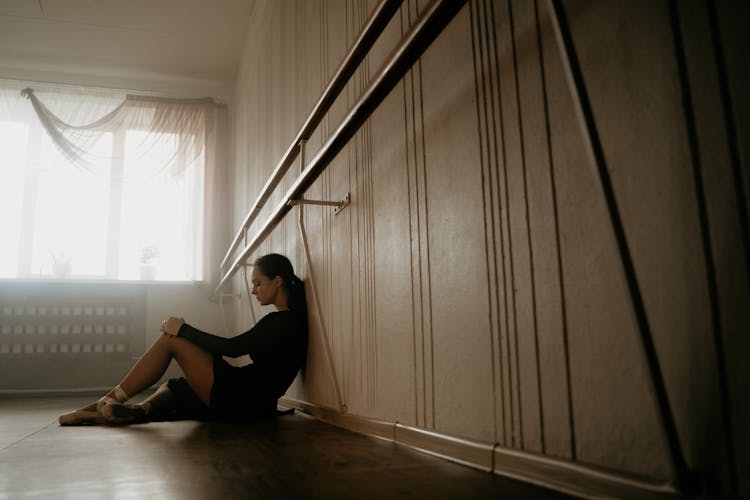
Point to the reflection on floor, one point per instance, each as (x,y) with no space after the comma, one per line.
(290,457)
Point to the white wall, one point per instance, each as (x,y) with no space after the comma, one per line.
(475,285)
(62,335)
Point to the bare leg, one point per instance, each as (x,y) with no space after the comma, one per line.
(196,363)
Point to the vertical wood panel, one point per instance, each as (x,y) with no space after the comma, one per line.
(517,277)
(487,120)
(609,376)
(364,190)
(528,383)
(541,238)
(729,32)
(344,282)
(422,227)
(554,356)
(396,392)
(503,238)
(723,225)
(460,317)
(419,258)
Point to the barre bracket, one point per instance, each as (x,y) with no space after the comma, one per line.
(338,205)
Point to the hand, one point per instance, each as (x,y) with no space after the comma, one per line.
(171,326)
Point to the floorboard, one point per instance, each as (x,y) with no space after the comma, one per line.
(289,457)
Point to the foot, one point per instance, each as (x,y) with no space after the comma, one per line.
(92,414)
(103,402)
(116,413)
(81,417)
(88,415)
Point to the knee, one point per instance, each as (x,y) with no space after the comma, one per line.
(166,341)
(162,338)
(171,343)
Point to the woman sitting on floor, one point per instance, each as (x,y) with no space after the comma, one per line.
(212,388)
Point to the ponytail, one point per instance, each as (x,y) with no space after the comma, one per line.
(295,290)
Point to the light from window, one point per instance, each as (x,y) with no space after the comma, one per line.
(14,138)
(134,218)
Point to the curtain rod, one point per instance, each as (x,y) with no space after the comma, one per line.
(44,85)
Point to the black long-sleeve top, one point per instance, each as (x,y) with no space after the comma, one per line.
(277,346)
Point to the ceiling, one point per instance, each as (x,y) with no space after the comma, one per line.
(172,46)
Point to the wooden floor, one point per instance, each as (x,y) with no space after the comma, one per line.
(290,457)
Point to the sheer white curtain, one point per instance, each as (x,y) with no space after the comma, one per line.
(99,184)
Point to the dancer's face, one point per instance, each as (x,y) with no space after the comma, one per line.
(265,289)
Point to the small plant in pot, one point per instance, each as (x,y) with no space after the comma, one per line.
(62,264)
(149,255)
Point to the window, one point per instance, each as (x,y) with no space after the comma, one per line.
(128,207)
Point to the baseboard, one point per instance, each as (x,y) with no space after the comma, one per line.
(464,451)
(573,478)
(41,393)
(553,473)
(94,392)
(361,425)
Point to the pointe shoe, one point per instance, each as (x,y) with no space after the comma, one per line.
(116,413)
(103,403)
(116,395)
(81,417)
(104,407)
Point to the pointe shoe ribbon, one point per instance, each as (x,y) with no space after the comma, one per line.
(103,403)
(103,406)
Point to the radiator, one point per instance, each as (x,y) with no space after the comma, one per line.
(66,336)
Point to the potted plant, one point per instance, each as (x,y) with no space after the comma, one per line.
(149,254)
(62,265)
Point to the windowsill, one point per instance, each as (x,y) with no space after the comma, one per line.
(95,281)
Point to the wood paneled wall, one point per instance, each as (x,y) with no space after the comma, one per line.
(485,281)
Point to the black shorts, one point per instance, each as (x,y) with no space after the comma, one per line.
(234,394)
